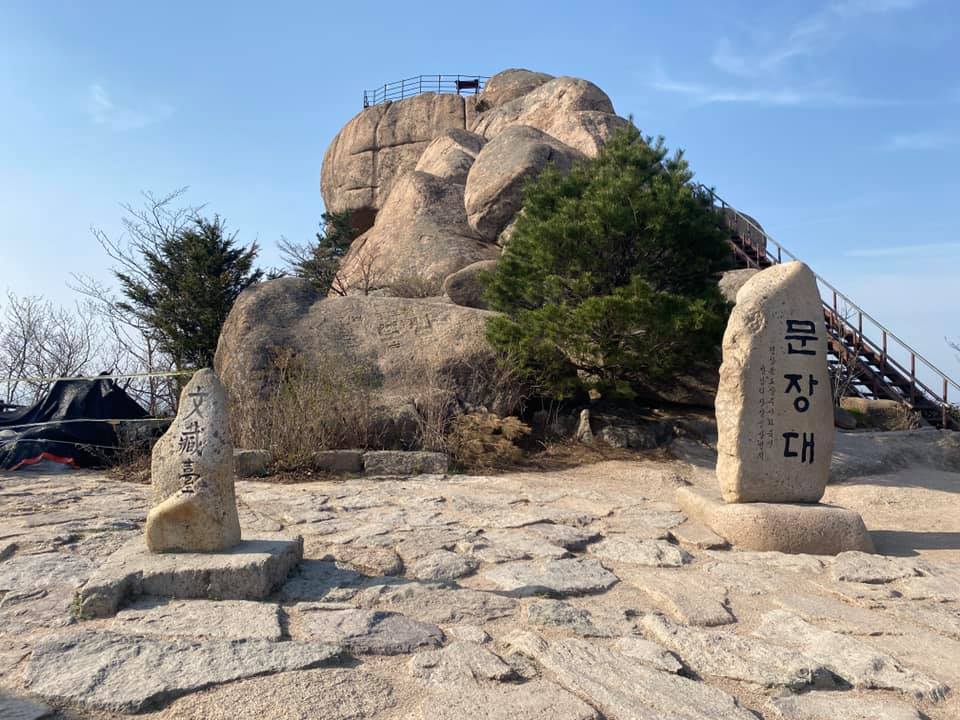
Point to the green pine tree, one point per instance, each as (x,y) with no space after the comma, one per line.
(186,284)
(319,262)
(609,281)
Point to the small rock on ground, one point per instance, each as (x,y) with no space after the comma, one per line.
(697,535)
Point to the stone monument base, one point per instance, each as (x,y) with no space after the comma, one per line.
(249,571)
(816,529)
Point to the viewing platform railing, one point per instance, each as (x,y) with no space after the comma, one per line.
(408,87)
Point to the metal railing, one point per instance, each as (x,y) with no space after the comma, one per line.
(408,87)
(925,379)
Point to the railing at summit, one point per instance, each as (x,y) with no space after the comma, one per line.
(890,368)
(409,87)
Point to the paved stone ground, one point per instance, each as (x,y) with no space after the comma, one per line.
(575,594)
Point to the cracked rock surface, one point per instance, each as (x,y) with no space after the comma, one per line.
(555,594)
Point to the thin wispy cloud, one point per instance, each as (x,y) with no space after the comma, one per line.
(922,141)
(103,110)
(809,36)
(702,94)
(905,250)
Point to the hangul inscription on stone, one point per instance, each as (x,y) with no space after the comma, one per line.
(774,410)
(800,388)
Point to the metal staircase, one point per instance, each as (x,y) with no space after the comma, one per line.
(878,363)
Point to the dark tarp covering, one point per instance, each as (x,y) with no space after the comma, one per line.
(74,429)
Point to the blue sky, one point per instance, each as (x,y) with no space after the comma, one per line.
(834,123)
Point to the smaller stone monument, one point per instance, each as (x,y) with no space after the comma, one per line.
(192,546)
(194,504)
(775,424)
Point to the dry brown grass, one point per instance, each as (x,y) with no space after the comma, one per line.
(483,441)
(310,407)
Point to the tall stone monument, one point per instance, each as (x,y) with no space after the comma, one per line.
(194,504)
(775,425)
(774,405)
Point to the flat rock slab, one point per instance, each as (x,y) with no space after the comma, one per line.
(217,619)
(576,576)
(620,687)
(836,705)
(458,662)
(443,566)
(532,700)
(875,569)
(330,693)
(122,673)
(815,529)
(14,708)
(557,613)
(697,535)
(370,632)
(686,597)
(399,462)
(728,655)
(436,604)
(648,653)
(565,536)
(248,571)
(861,665)
(652,553)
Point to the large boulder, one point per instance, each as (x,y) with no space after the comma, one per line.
(420,233)
(451,155)
(379,145)
(574,111)
(417,353)
(511,84)
(464,287)
(494,190)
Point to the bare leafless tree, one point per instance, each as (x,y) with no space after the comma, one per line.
(41,341)
(139,347)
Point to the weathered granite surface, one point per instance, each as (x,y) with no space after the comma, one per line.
(725,634)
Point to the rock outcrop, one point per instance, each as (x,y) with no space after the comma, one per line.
(432,181)
(451,155)
(574,111)
(412,351)
(420,234)
(494,189)
(379,145)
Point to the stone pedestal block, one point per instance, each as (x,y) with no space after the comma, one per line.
(816,529)
(250,570)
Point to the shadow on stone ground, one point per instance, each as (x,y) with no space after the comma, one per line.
(905,543)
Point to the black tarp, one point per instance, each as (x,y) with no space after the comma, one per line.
(70,425)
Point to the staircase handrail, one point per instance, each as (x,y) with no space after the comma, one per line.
(837,295)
